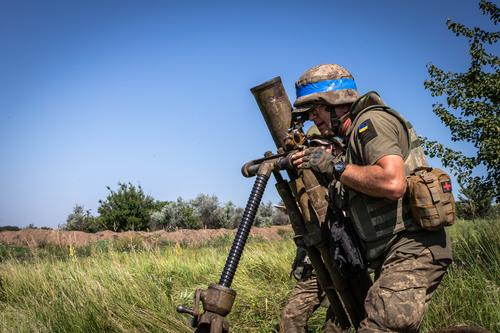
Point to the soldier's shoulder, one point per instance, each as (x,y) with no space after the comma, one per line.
(378,129)
(379,119)
(377,115)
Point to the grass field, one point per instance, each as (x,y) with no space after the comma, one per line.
(125,287)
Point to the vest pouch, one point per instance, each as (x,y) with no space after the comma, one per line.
(431,199)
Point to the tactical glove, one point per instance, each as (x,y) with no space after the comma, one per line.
(319,160)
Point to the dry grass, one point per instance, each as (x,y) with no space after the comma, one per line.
(127,287)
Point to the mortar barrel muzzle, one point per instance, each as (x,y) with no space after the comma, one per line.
(275,107)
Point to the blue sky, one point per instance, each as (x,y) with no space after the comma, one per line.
(156,93)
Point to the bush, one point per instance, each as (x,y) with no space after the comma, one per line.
(174,215)
(209,213)
(233,214)
(81,220)
(472,203)
(126,209)
(264,214)
(205,212)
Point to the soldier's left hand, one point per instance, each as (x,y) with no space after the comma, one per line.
(317,159)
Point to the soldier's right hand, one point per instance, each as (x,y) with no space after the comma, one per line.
(297,159)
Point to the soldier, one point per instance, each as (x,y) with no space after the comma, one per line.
(307,295)
(382,148)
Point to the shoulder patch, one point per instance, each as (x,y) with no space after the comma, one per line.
(366,131)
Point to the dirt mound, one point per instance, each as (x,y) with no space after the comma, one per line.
(35,237)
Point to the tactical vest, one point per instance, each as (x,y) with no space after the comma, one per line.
(378,220)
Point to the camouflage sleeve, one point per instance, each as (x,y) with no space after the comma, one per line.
(378,134)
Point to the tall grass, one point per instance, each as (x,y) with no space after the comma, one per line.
(113,287)
(470,292)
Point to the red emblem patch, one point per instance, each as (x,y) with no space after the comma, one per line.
(446,186)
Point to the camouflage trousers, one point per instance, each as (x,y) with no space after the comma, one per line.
(398,299)
(305,298)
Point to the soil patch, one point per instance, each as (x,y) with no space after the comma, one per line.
(35,237)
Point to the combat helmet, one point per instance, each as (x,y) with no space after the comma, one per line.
(328,84)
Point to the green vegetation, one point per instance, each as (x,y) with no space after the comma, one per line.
(470,293)
(81,220)
(126,209)
(129,287)
(9,228)
(129,208)
(471,115)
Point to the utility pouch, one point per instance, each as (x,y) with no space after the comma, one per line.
(431,199)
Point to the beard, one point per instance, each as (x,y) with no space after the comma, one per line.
(345,126)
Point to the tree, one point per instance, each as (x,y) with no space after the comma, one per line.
(471,112)
(126,209)
(9,228)
(81,220)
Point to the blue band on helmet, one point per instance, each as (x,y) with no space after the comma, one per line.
(325,86)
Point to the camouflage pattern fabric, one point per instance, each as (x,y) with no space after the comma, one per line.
(334,97)
(305,298)
(399,298)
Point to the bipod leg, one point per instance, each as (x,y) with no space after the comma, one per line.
(218,299)
(246,223)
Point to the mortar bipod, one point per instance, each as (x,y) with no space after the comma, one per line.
(218,299)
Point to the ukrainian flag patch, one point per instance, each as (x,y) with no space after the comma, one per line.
(363,127)
(366,131)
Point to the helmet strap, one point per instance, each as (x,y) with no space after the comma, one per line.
(337,122)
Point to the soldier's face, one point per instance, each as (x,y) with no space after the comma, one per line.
(341,110)
(321,118)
